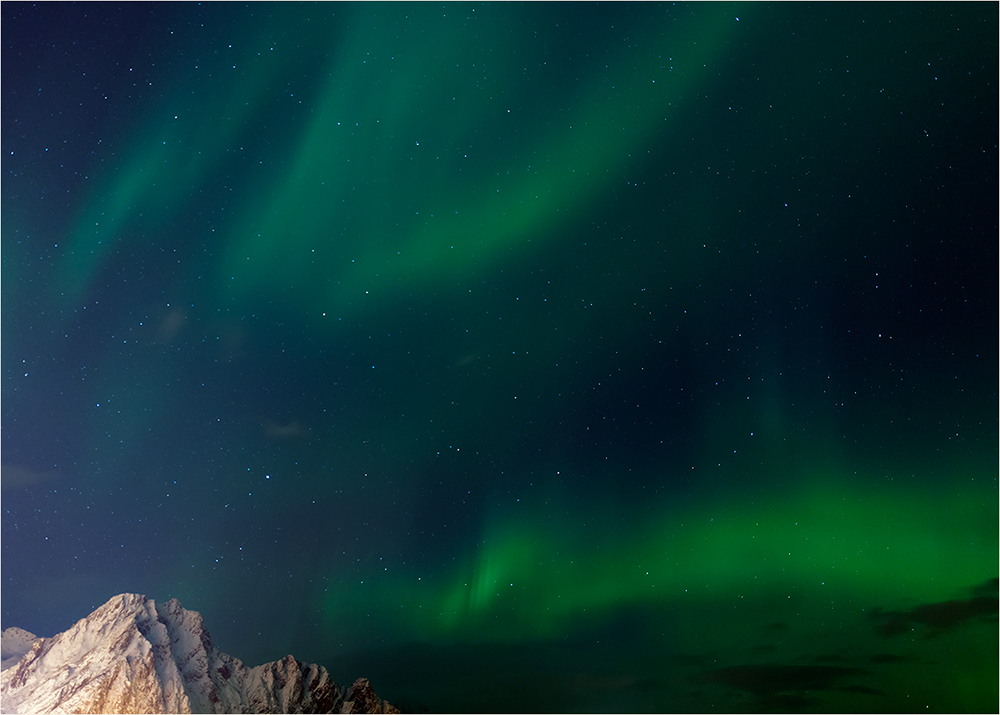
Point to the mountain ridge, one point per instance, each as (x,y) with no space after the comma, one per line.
(137,656)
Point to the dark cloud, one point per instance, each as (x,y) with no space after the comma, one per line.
(13,476)
(940,616)
(274,429)
(862,689)
(170,325)
(990,587)
(785,688)
(770,679)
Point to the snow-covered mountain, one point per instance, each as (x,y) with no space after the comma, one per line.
(133,655)
(14,644)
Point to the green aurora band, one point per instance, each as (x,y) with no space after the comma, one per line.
(390,177)
(831,544)
(318,209)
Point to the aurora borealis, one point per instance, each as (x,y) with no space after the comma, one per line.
(528,357)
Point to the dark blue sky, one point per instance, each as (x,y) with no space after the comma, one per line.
(400,336)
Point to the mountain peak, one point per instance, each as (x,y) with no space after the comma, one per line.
(134,655)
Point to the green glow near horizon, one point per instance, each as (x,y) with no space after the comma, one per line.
(535,575)
(398,175)
(830,538)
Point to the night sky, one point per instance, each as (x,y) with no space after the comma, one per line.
(517,357)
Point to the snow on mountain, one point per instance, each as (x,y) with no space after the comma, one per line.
(133,655)
(14,643)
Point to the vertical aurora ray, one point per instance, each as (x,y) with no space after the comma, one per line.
(534,574)
(832,543)
(194,132)
(378,200)
(777,578)
(647,348)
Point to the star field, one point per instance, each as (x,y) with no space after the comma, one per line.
(645,351)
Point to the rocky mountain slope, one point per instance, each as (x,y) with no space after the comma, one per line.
(133,655)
